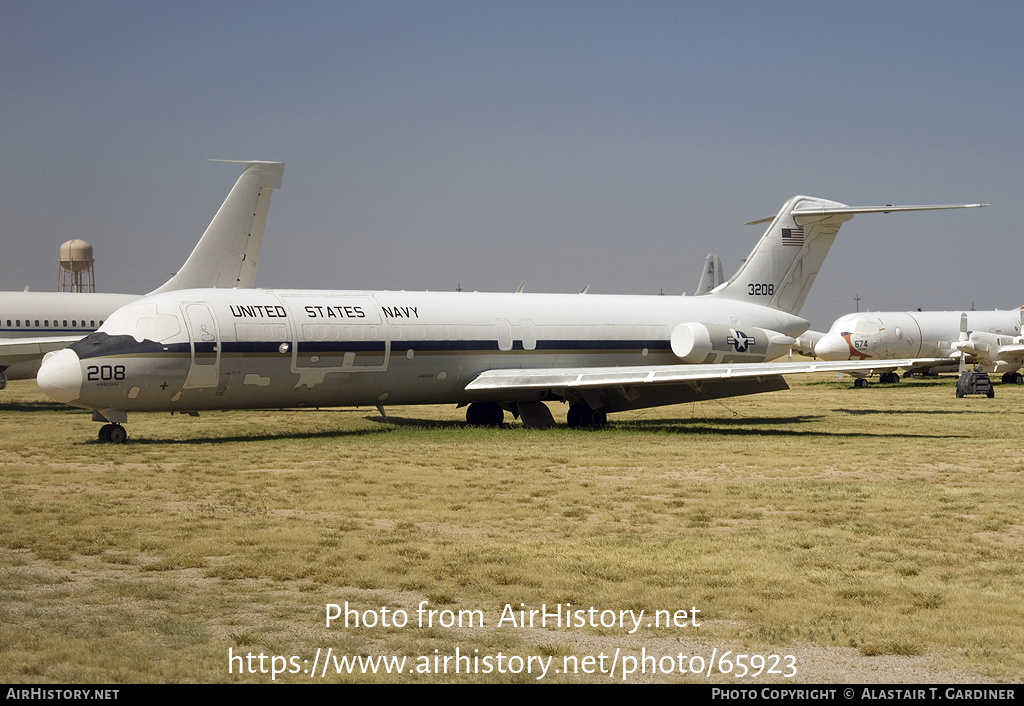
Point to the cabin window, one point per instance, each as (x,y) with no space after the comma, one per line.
(259,332)
(65,323)
(37,323)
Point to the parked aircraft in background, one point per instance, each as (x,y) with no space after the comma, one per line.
(240,349)
(994,351)
(994,340)
(34,323)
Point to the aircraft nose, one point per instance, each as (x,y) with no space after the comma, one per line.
(832,346)
(60,376)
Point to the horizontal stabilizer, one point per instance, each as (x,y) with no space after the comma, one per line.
(781,269)
(272,172)
(889,208)
(854,210)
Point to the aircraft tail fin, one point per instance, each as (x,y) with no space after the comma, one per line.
(782,267)
(228,253)
(710,276)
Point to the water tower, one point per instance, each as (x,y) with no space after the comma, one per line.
(76,267)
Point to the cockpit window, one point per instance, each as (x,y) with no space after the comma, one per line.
(866,326)
(142,321)
(98,344)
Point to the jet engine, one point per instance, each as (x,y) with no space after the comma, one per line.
(697,343)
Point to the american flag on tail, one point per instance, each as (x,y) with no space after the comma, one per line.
(793,236)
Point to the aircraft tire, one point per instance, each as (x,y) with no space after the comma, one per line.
(581,415)
(117,434)
(485,414)
(104,435)
(860,382)
(1017,378)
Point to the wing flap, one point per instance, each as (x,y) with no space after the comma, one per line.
(581,378)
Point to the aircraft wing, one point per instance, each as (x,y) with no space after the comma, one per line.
(20,357)
(923,364)
(1011,354)
(632,387)
(987,352)
(19,350)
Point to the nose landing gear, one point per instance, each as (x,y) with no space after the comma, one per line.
(112,434)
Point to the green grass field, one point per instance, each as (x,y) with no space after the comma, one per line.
(873,535)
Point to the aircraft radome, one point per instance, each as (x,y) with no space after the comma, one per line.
(205,349)
(993,340)
(34,323)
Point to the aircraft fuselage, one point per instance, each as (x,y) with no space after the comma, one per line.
(223,349)
(34,317)
(912,334)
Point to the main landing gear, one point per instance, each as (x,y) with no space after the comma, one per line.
(582,415)
(492,414)
(485,414)
(112,434)
(883,379)
(1013,379)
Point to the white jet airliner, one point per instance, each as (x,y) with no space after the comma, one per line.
(239,349)
(34,323)
(994,340)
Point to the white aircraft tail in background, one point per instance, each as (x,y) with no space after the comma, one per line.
(35,323)
(710,276)
(229,252)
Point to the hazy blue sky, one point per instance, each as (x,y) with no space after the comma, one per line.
(565,143)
